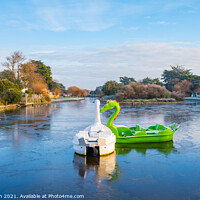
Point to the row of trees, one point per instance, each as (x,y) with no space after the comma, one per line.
(33,76)
(181,79)
(75,91)
(176,82)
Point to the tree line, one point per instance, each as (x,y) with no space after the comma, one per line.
(32,77)
(177,83)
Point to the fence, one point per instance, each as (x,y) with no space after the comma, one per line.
(31,100)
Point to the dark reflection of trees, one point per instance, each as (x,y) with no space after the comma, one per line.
(105,167)
(164,147)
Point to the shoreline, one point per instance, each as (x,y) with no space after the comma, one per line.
(146,101)
(11,107)
(67,99)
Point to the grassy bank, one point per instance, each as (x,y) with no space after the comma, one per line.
(9,107)
(141,101)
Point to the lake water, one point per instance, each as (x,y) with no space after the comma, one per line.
(37,157)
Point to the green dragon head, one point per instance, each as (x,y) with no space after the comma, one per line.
(110,105)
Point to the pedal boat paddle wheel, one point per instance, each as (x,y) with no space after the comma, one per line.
(95,140)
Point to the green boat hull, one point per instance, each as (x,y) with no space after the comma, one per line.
(145,139)
(152,134)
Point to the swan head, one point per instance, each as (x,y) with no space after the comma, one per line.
(110,105)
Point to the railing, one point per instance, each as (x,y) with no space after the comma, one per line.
(31,100)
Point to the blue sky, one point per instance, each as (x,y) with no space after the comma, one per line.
(87,42)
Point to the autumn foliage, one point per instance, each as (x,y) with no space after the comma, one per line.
(140,91)
(75,91)
(29,75)
(56,91)
(183,86)
(39,88)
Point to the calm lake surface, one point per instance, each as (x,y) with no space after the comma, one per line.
(37,157)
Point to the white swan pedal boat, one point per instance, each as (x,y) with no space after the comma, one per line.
(95,140)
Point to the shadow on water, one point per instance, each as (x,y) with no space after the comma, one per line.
(165,148)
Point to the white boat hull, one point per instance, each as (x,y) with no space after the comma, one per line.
(103,150)
(95,140)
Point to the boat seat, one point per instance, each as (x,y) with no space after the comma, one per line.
(152,132)
(140,133)
(94,133)
(124,131)
(91,139)
(137,128)
(160,127)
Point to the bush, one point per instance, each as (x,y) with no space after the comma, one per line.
(11,96)
(47,97)
(75,91)
(30,91)
(140,91)
(127,92)
(56,91)
(178,96)
(5,84)
(9,92)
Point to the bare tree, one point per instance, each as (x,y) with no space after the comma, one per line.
(14,61)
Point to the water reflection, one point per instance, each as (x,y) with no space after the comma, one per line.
(29,122)
(165,148)
(44,160)
(76,105)
(105,167)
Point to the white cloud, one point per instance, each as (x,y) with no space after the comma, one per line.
(13,22)
(79,15)
(182,43)
(92,67)
(87,15)
(165,23)
(133,28)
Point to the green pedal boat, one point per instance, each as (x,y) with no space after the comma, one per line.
(157,133)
